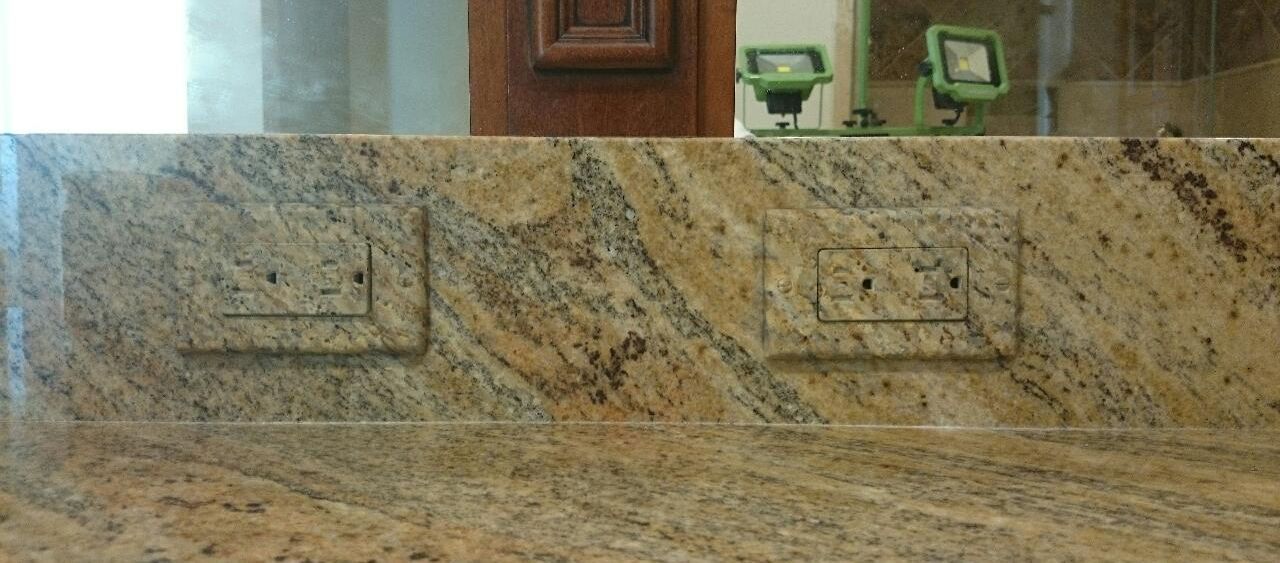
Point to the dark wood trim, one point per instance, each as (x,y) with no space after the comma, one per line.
(641,40)
(717,48)
(488,66)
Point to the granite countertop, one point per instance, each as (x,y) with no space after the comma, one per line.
(157,491)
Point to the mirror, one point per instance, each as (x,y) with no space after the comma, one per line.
(1051,67)
(1203,68)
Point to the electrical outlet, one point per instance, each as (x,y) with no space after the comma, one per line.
(893,284)
(912,283)
(296,280)
(300,279)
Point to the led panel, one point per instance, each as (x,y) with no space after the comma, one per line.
(967,61)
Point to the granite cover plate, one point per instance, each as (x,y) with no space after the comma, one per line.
(387,312)
(891,283)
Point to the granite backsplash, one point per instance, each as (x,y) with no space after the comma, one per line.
(969,282)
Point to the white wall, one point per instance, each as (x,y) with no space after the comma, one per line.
(428,65)
(224,46)
(5,81)
(92,66)
(405,69)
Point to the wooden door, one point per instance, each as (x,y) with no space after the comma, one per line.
(657,68)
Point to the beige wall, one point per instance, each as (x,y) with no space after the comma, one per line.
(1243,103)
(1247,101)
(1124,109)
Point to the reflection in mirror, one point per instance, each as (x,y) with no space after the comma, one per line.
(1075,67)
(234,66)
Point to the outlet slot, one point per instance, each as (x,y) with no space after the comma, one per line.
(893,284)
(296,280)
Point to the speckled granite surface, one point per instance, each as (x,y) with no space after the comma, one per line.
(85,491)
(622,280)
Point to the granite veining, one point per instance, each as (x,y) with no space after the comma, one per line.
(126,491)
(608,280)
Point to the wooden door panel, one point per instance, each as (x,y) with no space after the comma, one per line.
(619,98)
(600,13)
(603,34)
(602,67)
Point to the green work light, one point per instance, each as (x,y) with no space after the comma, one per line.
(967,64)
(964,72)
(783,76)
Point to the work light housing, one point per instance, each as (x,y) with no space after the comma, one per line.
(967,63)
